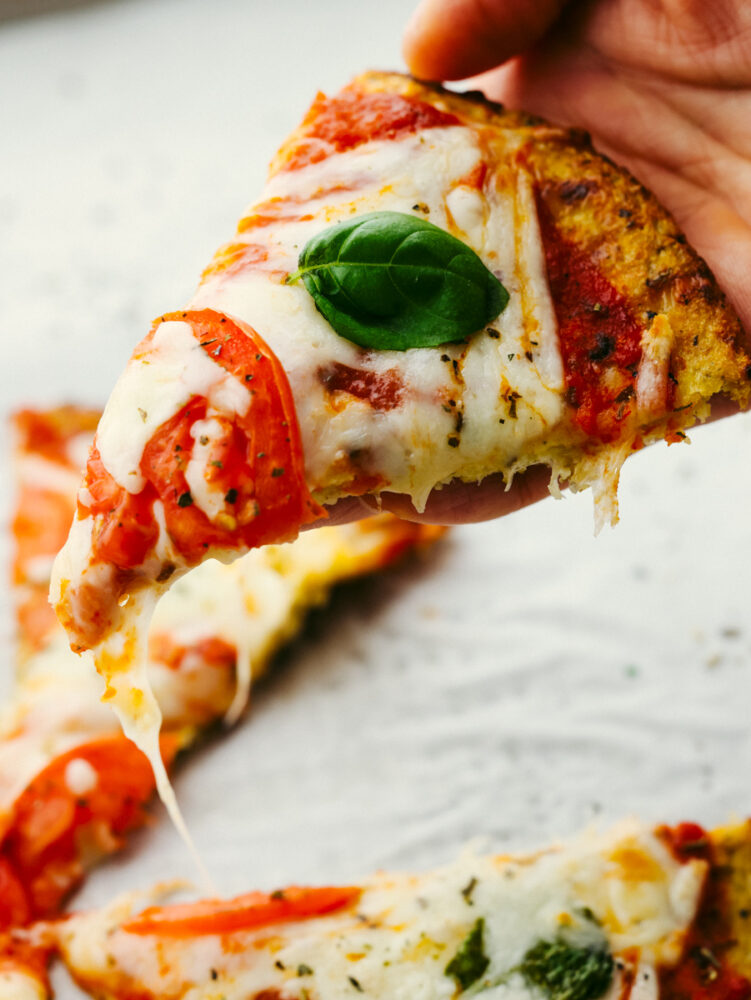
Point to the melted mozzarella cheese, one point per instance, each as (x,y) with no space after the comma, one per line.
(208,497)
(614,891)
(652,377)
(157,383)
(507,387)
(80,776)
(16,984)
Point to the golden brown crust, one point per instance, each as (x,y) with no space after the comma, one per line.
(640,250)
(732,873)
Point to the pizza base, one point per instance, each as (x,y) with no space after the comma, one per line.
(637,912)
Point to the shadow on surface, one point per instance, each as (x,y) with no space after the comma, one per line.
(11,10)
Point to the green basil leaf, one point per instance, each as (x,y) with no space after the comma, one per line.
(565,972)
(470,961)
(391,281)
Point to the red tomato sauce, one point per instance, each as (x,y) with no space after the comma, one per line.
(243,913)
(48,433)
(599,336)
(30,959)
(260,219)
(703,972)
(336,124)
(235,257)
(475,178)
(383,390)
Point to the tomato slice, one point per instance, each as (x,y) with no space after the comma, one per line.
(258,464)
(247,912)
(41,849)
(40,525)
(126,530)
(15,908)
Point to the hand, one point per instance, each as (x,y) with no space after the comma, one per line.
(458,503)
(663,86)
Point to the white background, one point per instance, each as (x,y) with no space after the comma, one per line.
(523,680)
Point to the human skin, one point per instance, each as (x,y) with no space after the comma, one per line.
(664,88)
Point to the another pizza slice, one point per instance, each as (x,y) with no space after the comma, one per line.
(72,786)
(430,289)
(632,913)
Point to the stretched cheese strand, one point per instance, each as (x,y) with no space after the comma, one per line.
(123,660)
(243,680)
(20,984)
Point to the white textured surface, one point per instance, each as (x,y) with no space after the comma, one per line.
(519,683)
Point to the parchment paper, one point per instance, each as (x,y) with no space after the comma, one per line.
(523,680)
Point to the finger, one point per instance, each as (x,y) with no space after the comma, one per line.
(457,503)
(454,39)
(467,503)
(575,89)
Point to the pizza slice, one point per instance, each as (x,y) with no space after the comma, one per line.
(632,913)
(430,289)
(72,786)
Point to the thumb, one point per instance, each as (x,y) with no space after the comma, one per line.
(454,39)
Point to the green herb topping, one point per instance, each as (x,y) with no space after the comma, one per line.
(564,972)
(184,500)
(391,281)
(470,962)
